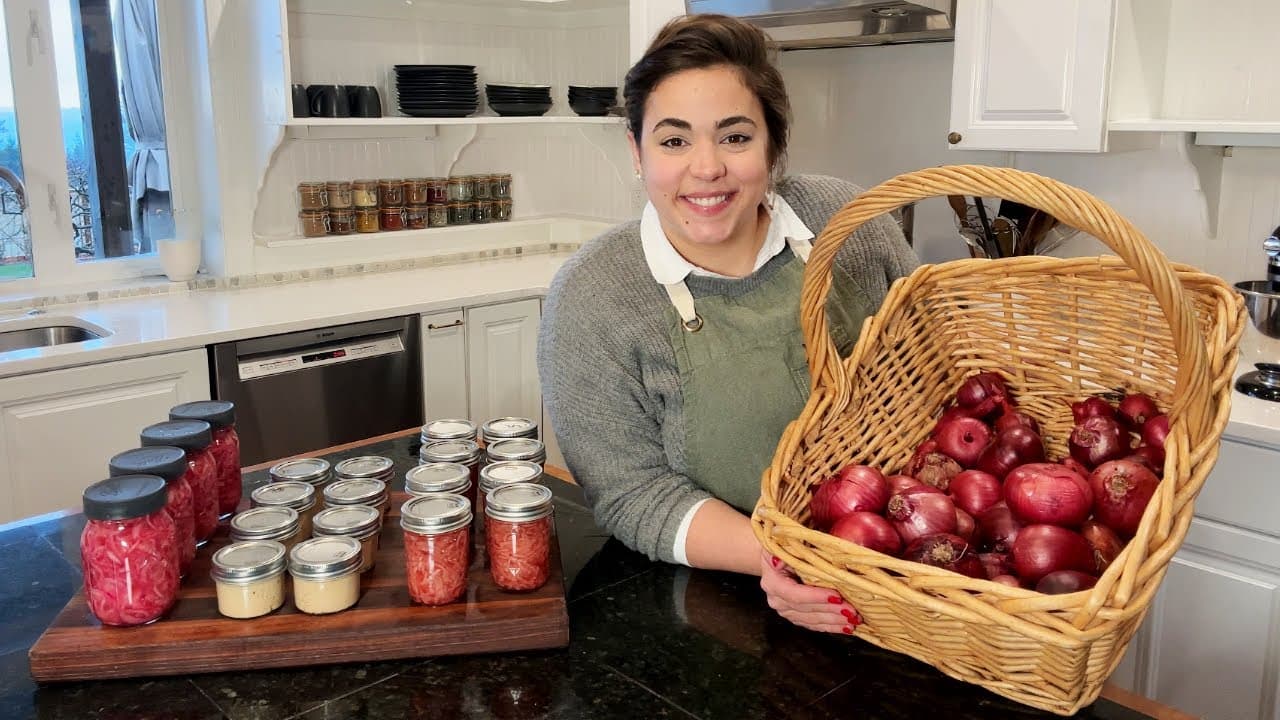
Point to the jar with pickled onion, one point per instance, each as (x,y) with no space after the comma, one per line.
(518,535)
(448,429)
(463,452)
(221,414)
(431,478)
(128,550)
(505,472)
(168,464)
(437,547)
(505,428)
(194,437)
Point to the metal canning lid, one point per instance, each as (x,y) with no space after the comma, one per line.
(435,514)
(169,463)
(287,493)
(518,502)
(265,523)
(437,478)
(249,561)
(367,466)
(448,429)
(356,491)
(186,434)
(309,470)
(509,427)
(324,558)
(218,413)
(517,449)
(357,521)
(466,452)
(507,472)
(124,497)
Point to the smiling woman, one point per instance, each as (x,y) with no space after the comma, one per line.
(670,352)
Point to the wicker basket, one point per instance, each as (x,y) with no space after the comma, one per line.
(1058,330)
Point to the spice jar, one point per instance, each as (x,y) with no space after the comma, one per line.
(311,196)
(316,472)
(483,212)
(339,194)
(415,218)
(326,574)
(168,464)
(355,521)
(441,477)
(391,193)
(461,189)
(526,449)
(518,535)
(128,551)
(437,191)
(342,222)
(437,547)
(459,213)
(463,452)
(415,191)
(483,187)
(249,578)
(282,524)
(364,193)
(314,222)
(358,491)
(505,428)
(448,429)
(506,472)
(367,220)
(437,215)
(195,438)
(221,414)
(501,210)
(391,218)
(500,185)
(299,496)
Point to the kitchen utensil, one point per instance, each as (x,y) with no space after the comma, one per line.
(328,101)
(301,104)
(365,101)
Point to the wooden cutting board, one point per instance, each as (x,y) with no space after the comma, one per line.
(383,625)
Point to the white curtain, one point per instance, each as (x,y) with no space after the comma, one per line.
(137,41)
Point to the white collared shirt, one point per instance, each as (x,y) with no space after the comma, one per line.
(669,266)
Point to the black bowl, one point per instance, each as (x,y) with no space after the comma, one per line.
(589,109)
(520,109)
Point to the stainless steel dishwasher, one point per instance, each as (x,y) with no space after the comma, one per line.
(303,391)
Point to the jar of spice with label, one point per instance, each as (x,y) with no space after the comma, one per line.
(342,222)
(339,192)
(501,210)
(460,189)
(483,212)
(415,191)
(437,215)
(437,191)
(391,218)
(364,193)
(391,193)
(311,196)
(415,217)
(500,185)
(315,223)
(367,220)
(460,213)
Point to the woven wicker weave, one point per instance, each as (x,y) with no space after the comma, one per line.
(1058,330)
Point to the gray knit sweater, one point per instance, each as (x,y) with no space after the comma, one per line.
(608,371)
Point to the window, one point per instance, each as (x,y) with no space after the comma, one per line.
(84,161)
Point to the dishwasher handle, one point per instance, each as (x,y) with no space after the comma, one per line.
(446,326)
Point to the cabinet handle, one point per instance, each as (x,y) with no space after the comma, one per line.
(454,324)
(954,138)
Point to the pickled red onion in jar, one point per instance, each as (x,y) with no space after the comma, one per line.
(437,546)
(518,535)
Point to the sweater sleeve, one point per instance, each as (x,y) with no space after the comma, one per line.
(607,424)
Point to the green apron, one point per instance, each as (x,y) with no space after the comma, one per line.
(743,373)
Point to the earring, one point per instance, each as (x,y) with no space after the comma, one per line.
(639,176)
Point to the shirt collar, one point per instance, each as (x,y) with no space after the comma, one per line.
(667,265)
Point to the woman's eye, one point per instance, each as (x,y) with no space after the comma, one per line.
(673,142)
(737,138)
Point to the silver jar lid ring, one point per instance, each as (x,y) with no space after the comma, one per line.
(463,451)
(358,521)
(268,521)
(325,557)
(449,429)
(355,491)
(437,477)
(367,466)
(435,513)
(288,493)
(517,449)
(506,472)
(310,470)
(508,427)
(248,561)
(519,501)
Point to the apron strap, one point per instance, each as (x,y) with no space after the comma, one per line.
(682,299)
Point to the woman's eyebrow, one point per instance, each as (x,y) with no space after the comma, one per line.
(673,122)
(735,120)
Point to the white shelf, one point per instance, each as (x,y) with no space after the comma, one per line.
(443,234)
(398,121)
(1196,126)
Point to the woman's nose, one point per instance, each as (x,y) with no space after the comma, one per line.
(706,163)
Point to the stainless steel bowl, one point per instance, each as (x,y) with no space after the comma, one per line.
(1263,304)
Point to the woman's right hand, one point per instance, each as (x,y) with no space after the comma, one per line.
(814,608)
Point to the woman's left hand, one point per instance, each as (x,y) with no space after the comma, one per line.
(814,608)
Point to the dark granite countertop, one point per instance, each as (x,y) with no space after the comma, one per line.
(648,640)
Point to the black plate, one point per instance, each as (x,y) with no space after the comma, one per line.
(518,88)
(443,105)
(437,113)
(437,95)
(468,68)
(437,83)
(519,98)
(593,88)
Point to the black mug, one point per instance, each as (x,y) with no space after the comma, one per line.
(301,103)
(365,101)
(329,101)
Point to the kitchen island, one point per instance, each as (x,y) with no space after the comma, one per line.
(647,640)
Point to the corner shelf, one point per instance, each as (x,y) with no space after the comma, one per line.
(327,128)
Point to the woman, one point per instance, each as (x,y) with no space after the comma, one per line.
(670,353)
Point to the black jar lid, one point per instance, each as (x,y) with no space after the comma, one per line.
(165,461)
(124,496)
(219,413)
(186,434)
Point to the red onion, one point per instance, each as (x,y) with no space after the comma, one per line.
(1134,410)
(1121,491)
(982,393)
(998,459)
(915,514)
(962,439)
(951,413)
(1012,418)
(1065,581)
(1155,430)
(868,530)
(1096,440)
(946,551)
(1048,493)
(1105,543)
(965,526)
(1075,465)
(974,491)
(1042,549)
(998,528)
(855,488)
(898,483)
(996,564)
(1091,407)
(933,468)
(1025,442)
(1150,456)
(1009,580)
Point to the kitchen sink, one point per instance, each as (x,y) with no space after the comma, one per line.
(38,332)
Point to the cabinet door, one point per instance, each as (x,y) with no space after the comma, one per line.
(646,18)
(444,366)
(58,429)
(1031,75)
(502,343)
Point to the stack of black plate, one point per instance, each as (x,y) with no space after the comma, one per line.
(592,101)
(437,90)
(519,100)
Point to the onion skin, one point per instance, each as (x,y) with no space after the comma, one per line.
(1042,549)
(1075,465)
(1025,442)
(1121,491)
(1155,430)
(898,483)
(974,491)
(856,488)
(1009,580)
(1134,411)
(998,528)
(1091,407)
(1048,493)
(916,513)
(966,527)
(946,551)
(998,459)
(1150,456)
(933,468)
(962,440)
(870,531)
(1097,440)
(952,413)
(1105,543)
(1065,581)
(996,564)
(983,393)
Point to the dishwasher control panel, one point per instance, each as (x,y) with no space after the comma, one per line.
(318,357)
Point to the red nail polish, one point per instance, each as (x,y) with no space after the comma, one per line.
(775,561)
(848,630)
(848,614)
(835,600)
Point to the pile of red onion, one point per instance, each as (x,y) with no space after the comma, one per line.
(980,497)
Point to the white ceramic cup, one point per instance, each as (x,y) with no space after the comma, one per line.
(180,258)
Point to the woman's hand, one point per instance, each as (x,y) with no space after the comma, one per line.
(814,608)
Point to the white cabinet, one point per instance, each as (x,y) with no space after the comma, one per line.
(444,365)
(1031,75)
(646,18)
(58,429)
(502,369)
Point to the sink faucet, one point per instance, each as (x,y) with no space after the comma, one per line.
(15,182)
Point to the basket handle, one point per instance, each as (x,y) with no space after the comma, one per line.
(1068,204)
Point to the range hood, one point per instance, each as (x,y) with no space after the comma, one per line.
(797,24)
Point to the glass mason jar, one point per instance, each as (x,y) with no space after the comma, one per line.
(355,521)
(195,438)
(437,547)
(221,414)
(249,578)
(463,452)
(299,496)
(416,217)
(415,191)
(359,491)
(364,193)
(128,550)
(518,535)
(339,192)
(505,428)
(282,524)
(315,223)
(391,193)
(367,220)
(460,213)
(437,215)
(437,191)
(526,449)
(461,189)
(391,218)
(441,477)
(448,429)
(312,196)
(502,210)
(326,574)
(506,472)
(342,222)
(365,466)
(483,187)
(500,185)
(316,472)
(483,212)
(168,464)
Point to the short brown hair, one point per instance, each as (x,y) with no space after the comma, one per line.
(695,42)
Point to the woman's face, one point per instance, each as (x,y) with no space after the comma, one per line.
(703,151)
